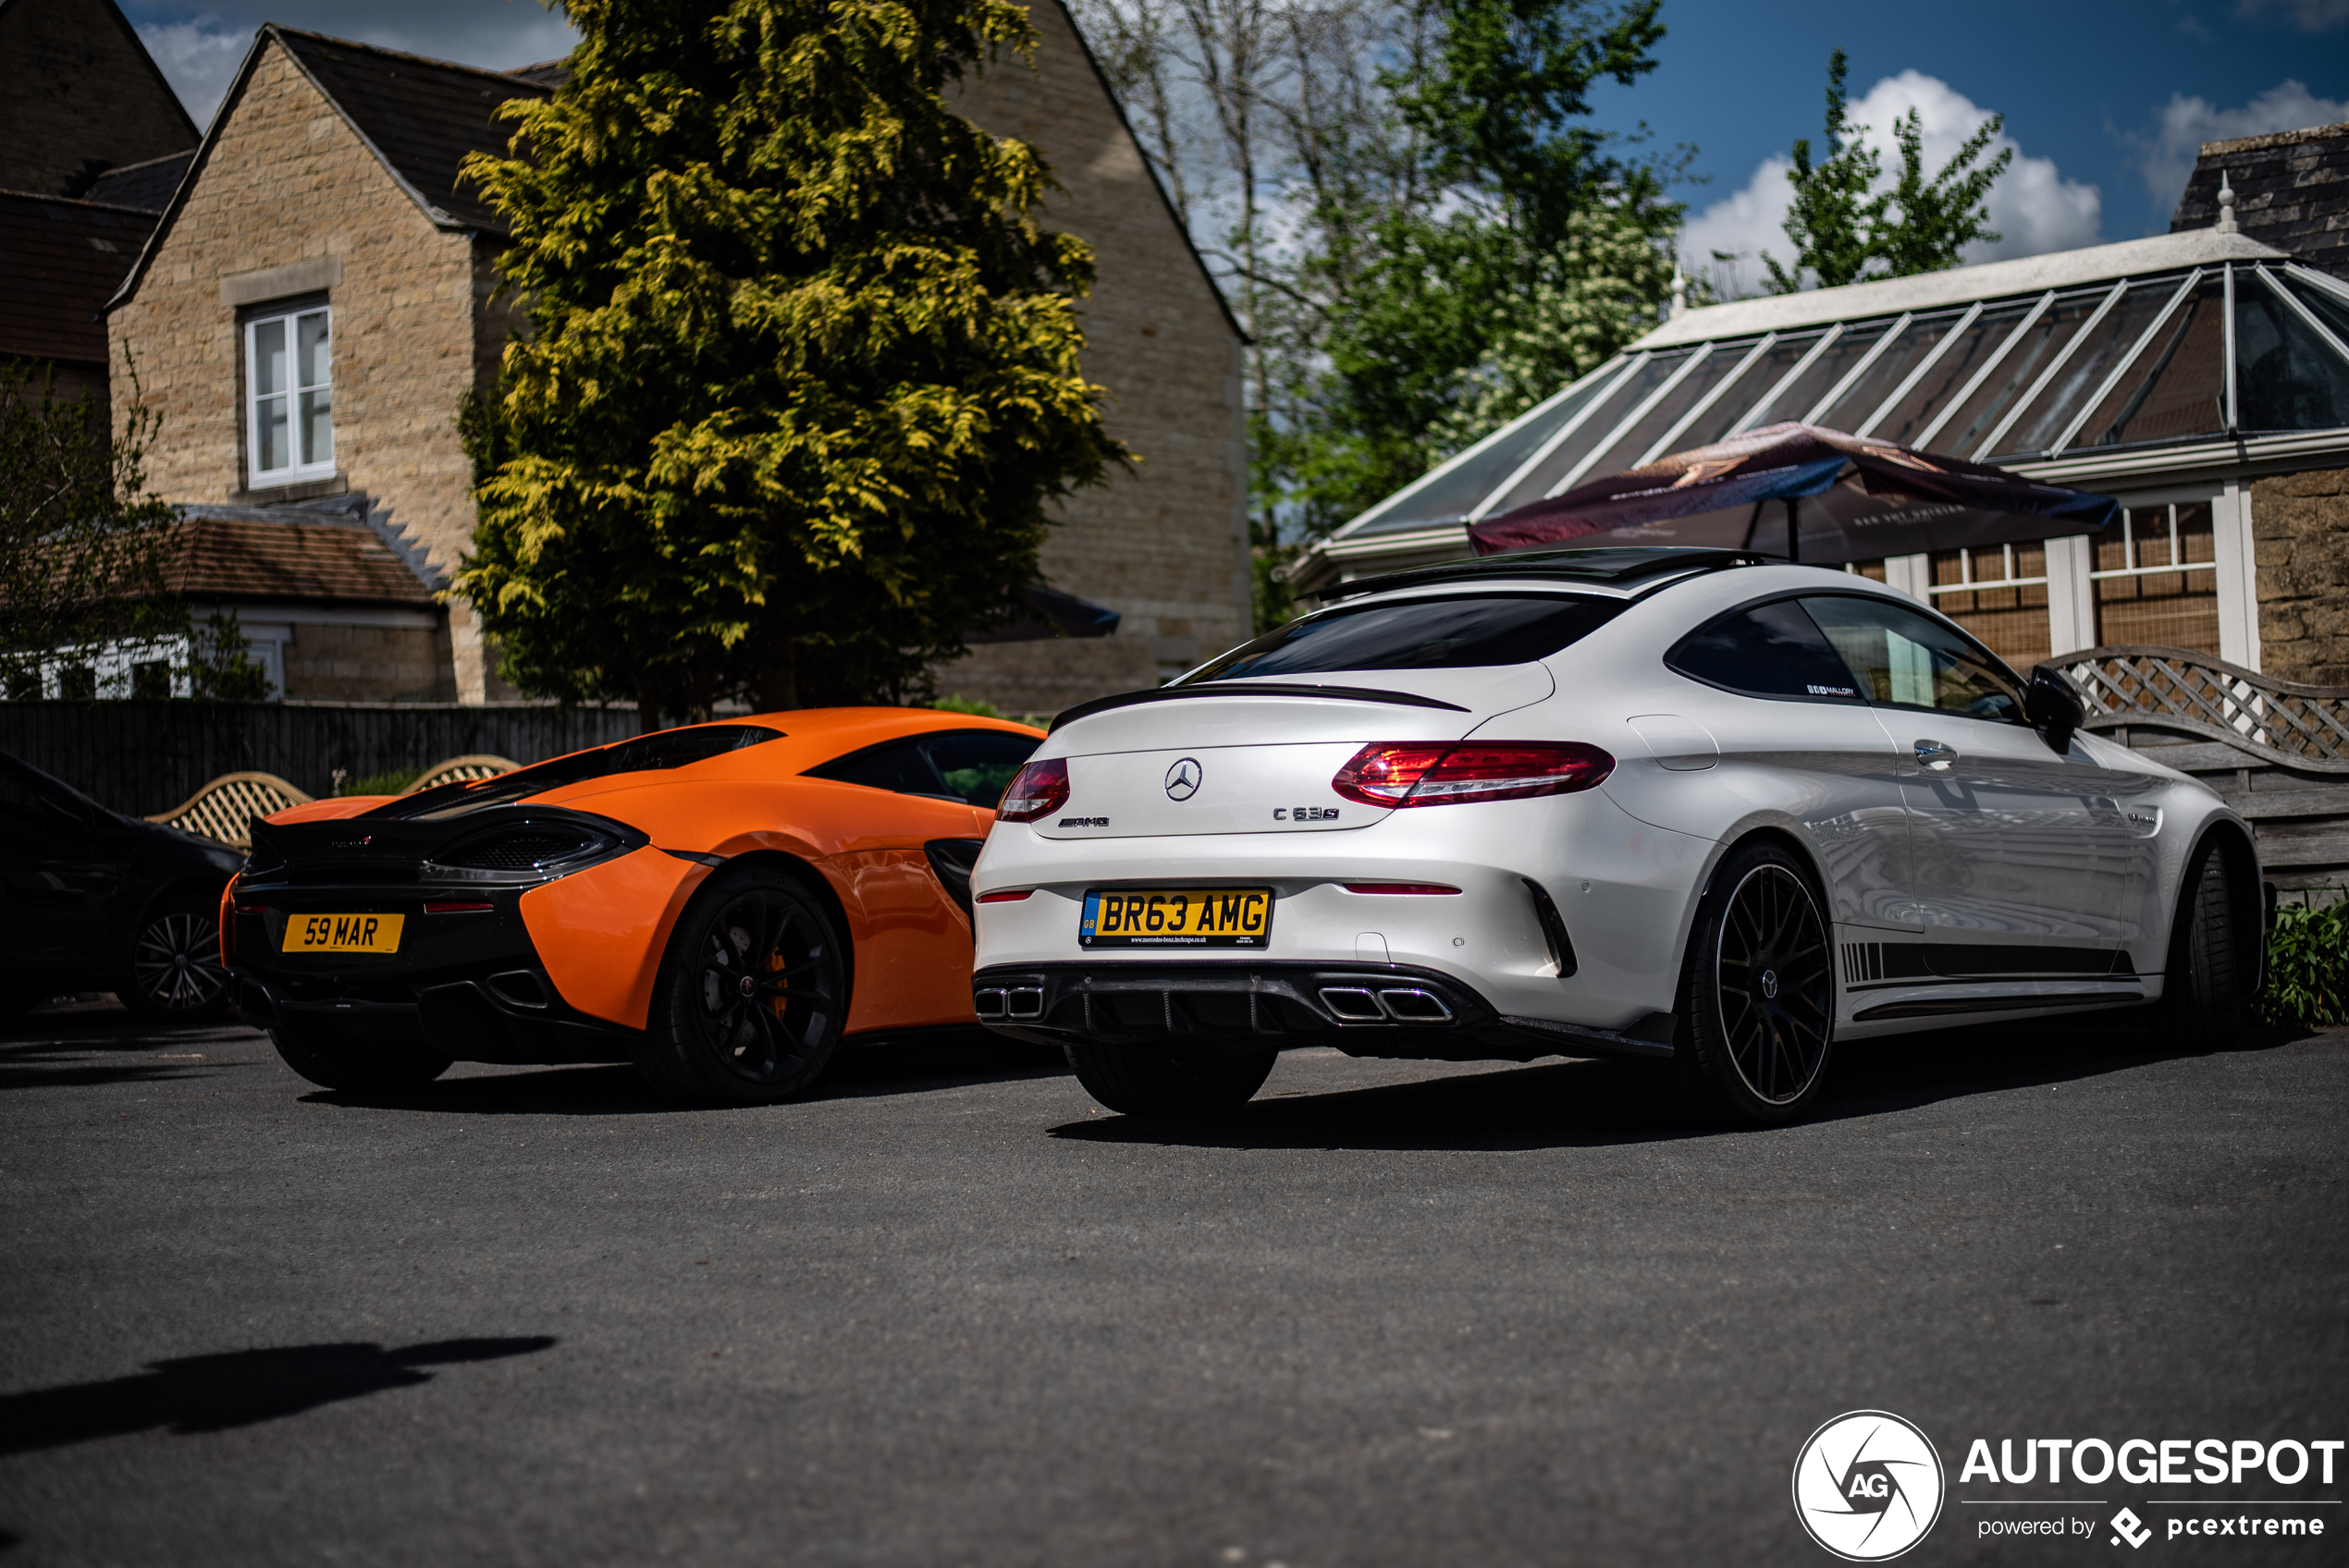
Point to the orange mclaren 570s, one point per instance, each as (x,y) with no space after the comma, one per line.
(720,904)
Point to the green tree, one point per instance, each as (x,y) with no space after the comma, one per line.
(1846,226)
(84,544)
(801,383)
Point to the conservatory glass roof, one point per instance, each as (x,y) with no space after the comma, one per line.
(2179,340)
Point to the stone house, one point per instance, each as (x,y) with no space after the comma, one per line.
(319,296)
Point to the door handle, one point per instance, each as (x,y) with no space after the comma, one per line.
(1935,755)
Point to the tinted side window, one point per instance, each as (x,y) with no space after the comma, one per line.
(978,764)
(1456,631)
(968,764)
(1770,650)
(1910,660)
(900,768)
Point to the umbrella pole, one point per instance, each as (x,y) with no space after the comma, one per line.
(1793,541)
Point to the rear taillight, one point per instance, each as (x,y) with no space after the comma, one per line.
(1037,789)
(1008,897)
(1424,774)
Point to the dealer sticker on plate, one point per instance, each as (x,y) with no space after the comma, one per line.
(343,933)
(1178,917)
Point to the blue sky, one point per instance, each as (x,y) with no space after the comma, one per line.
(2105,100)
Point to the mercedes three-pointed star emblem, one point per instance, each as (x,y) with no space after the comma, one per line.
(1182,779)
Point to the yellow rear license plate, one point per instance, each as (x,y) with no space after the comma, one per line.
(1175,917)
(343,933)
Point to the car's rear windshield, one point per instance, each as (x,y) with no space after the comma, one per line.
(1445,632)
(668,748)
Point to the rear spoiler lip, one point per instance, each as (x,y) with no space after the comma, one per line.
(1250,689)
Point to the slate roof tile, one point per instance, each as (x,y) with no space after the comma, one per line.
(2292,191)
(59,262)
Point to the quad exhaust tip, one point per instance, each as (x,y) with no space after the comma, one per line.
(1018,1002)
(1403,1004)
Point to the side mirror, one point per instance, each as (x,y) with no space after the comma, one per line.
(2052,704)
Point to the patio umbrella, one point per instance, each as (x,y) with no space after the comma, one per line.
(1813,495)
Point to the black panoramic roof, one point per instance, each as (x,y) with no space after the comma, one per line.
(1621,567)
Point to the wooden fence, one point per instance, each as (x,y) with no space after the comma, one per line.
(143,757)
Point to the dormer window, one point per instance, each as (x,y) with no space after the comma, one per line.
(290,424)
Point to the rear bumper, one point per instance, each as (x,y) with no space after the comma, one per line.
(1368,1010)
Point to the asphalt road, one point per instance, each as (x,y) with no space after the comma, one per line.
(947,1311)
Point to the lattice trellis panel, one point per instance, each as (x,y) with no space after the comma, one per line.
(2202,696)
(225,808)
(456,771)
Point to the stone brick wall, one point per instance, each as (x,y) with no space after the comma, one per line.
(77,94)
(288,182)
(1166,545)
(368,663)
(2300,533)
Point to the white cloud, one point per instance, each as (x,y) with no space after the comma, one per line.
(2032,208)
(2168,158)
(199,59)
(2308,15)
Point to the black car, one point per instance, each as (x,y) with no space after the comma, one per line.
(95,901)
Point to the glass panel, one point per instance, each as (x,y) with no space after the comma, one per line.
(2177,389)
(1454,632)
(2141,603)
(270,433)
(2041,342)
(2286,376)
(1905,658)
(1891,368)
(317,426)
(2011,622)
(268,358)
(311,349)
(1953,370)
(2096,359)
(1558,464)
(2330,308)
(1873,570)
(1456,494)
(1660,418)
(1775,651)
(1825,372)
(978,764)
(1781,358)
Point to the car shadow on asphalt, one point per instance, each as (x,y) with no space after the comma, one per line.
(214,1393)
(911,1064)
(94,1043)
(1589,1104)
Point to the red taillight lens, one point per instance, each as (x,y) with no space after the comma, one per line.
(455,906)
(1005,898)
(1425,774)
(1037,789)
(1407,887)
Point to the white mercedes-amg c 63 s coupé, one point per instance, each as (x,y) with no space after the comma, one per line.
(1692,808)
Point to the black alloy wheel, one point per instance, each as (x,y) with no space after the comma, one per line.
(753,995)
(175,975)
(1756,1020)
(2205,991)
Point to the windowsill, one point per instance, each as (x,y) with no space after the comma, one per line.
(300,490)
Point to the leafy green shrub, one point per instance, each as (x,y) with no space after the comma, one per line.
(2308,966)
(390,783)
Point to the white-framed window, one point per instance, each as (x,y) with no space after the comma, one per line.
(289,405)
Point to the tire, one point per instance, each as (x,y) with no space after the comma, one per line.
(355,1063)
(1155,1081)
(1755,1023)
(2204,982)
(752,996)
(172,973)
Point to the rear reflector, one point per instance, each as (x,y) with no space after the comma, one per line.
(1435,774)
(1037,789)
(1005,898)
(1396,887)
(449,907)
